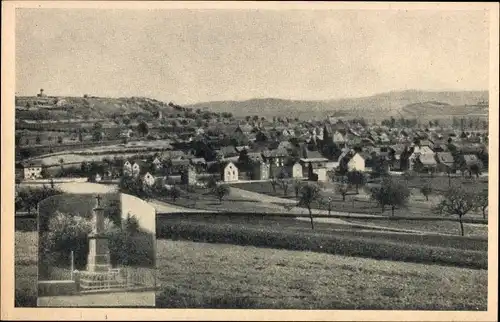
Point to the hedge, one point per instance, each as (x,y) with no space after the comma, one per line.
(332,244)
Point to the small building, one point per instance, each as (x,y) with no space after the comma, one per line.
(29,170)
(261,171)
(427,163)
(148,179)
(189,176)
(229,172)
(297,170)
(136,169)
(445,161)
(127,168)
(352,160)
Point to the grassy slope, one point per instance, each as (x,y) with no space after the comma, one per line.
(207,275)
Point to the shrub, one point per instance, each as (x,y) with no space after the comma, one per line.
(340,245)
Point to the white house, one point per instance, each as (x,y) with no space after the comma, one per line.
(357,162)
(230,172)
(136,169)
(297,170)
(127,168)
(148,179)
(30,170)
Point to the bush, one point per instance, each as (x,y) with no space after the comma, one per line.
(340,245)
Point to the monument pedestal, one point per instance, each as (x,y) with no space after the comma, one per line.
(98,259)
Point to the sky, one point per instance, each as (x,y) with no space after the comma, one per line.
(189,56)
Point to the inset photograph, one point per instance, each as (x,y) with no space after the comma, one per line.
(96,250)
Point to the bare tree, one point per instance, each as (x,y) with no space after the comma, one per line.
(342,190)
(482,201)
(457,201)
(426,190)
(308,195)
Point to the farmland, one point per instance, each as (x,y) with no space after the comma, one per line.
(229,276)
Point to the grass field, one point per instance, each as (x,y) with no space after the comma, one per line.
(227,276)
(360,203)
(445,227)
(288,233)
(26,244)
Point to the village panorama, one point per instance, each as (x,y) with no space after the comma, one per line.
(346,190)
(211,159)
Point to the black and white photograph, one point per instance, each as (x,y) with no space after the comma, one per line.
(284,158)
(97,252)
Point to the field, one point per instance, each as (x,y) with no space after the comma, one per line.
(360,203)
(229,276)
(288,233)
(26,244)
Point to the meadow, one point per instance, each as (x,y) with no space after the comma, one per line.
(229,276)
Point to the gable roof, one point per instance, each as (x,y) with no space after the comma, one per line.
(445,157)
(427,159)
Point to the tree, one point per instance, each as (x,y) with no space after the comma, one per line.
(143,128)
(309,193)
(426,190)
(356,178)
(482,201)
(174,193)
(283,182)
(408,175)
(274,183)
(61,163)
(220,192)
(59,139)
(211,183)
(297,185)
(390,193)
(475,169)
(457,201)
(329,204)
(97,132)
(38,139)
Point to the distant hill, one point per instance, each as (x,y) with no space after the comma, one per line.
(409,103)
(91,107)
(400,103)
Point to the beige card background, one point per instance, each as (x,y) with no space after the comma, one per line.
(7,178)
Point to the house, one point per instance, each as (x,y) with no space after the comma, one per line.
(136,169)
(200,164)
(229,172)
(351,161)
(148,179)
(297,170)
(261,171)
(426,163)
(29,170)
(338,138)
(275,157)
(127,168)
(315,164)
(227,152)
(470,159)
(189,175)
(445,161)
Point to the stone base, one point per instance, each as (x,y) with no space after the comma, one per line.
(55,288)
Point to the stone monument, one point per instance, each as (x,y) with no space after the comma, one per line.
(98,259)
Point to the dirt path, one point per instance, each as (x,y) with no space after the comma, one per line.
(117,299)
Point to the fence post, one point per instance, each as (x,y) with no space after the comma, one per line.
(72,264)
